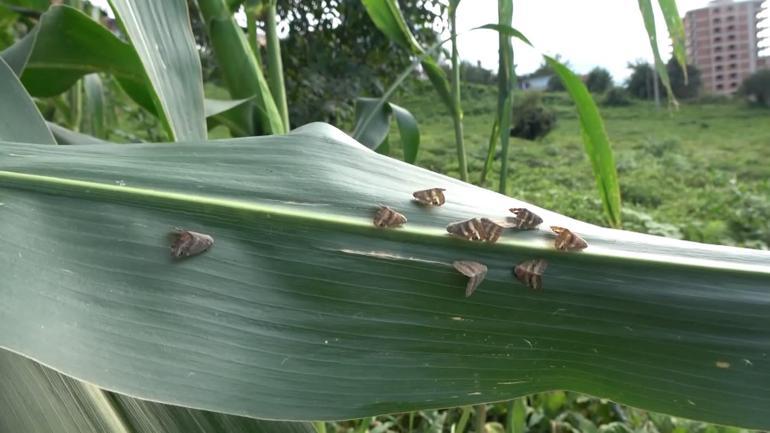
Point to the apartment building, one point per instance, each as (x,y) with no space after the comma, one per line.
(723,43)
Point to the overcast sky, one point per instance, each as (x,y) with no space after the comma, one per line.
(586,33)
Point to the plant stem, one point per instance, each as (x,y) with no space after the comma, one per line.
(275,64)
(411,422)
(457,113)
(493,137)
(251,28)
(466,414)
(481,418)
(320,426)
(505,77)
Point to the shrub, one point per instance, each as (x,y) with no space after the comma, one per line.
(555,84)
(616,97)
(756,88)
(598,80)
(531,119)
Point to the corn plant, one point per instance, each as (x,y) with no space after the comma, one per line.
(302,309)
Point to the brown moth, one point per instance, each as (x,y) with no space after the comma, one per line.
(491,230)
(471,229)
(567,241)
(189,243)
(475,272)
(387,217)
(525,219)
(430,197)
(530,273)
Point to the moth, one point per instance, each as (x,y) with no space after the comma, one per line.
(476,229)
(530,273)
(491,230)
(475,272)
(189,243)
(525,219)
(387,217)
(430,197)
(568,241)
(471,229)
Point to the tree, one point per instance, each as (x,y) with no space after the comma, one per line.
(599,80)
(338,53)
(640,84)
(683,90)
(756,88)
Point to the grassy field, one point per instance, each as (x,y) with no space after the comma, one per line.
(700,173)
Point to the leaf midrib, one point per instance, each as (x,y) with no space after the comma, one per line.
(410,229)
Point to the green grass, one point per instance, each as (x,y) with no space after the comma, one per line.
(700,173)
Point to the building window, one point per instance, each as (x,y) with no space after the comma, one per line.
(720,87)
(717,20)
(733,66)
(718,49)
(731,18)
(730,37)
(733,75)
(720,77)
(731,47)
(730,28)
(717,30)
(718,58)
(733,57)
(719,67)
(733,84)
(717,40)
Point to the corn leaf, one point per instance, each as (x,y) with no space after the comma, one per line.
(240,71)
(66,45)
(303,310)
(595,140)
(387,16)
(409,132)
(35,399)
(160,33)
(94,105)
(19,118)
(67,136)
(645,6)
(675,31)
(373,125)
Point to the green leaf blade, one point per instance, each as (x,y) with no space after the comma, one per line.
(387,16)
(271,321)
(20,119)
(645,6)
(409,131)
(95,116)
(372,121)
(36,399)
(161,34)
(241,71)
(66,45)
(596,142)
(676,32)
